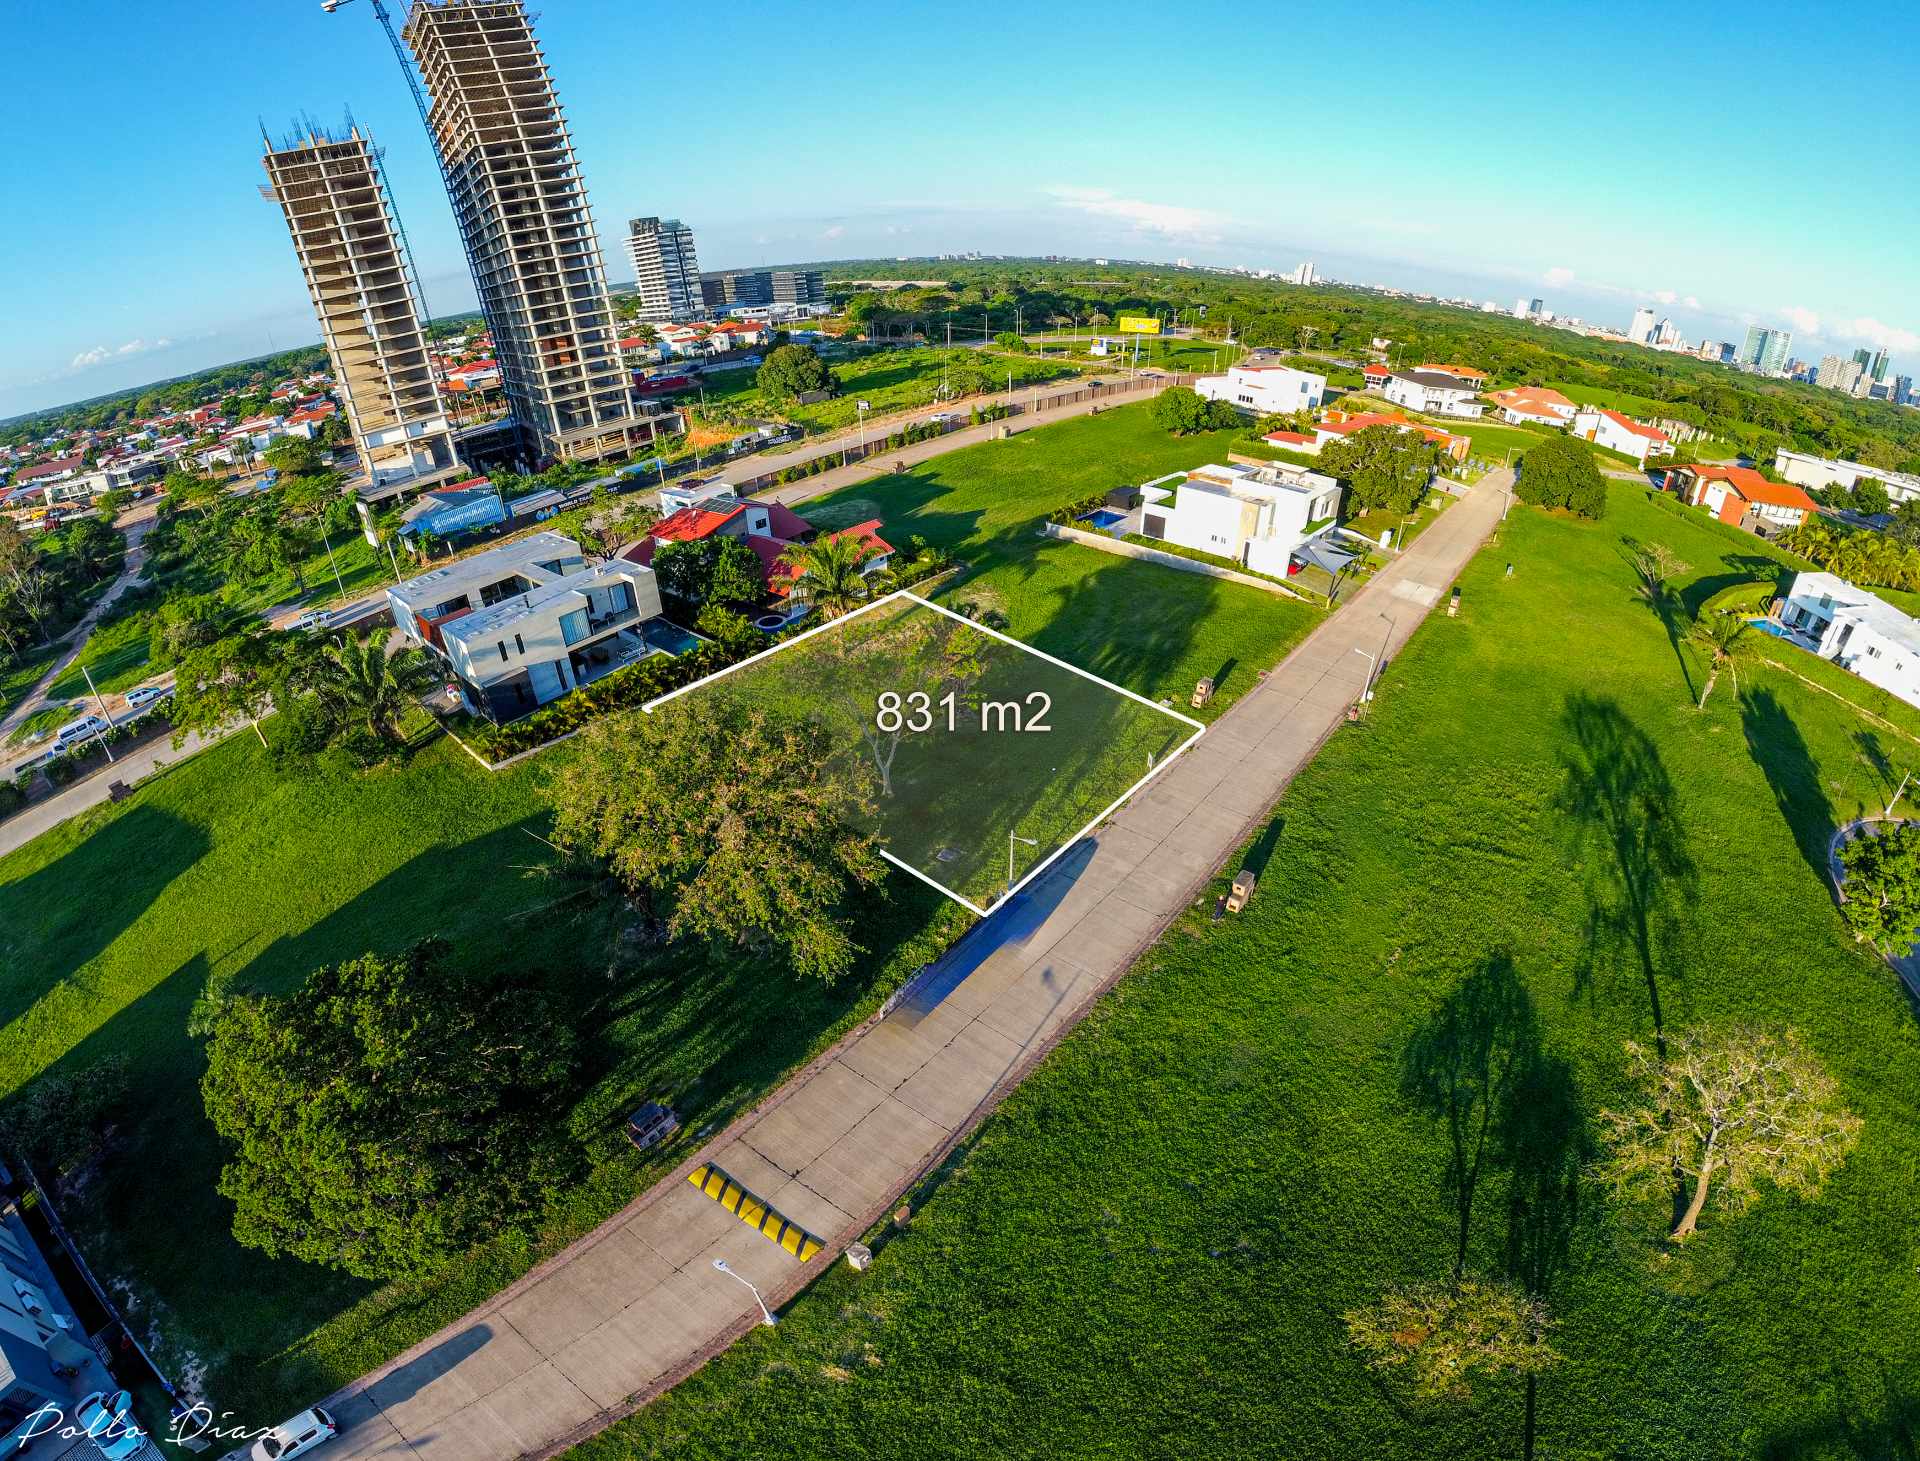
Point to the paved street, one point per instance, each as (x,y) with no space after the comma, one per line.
(134,765)
(637,1304)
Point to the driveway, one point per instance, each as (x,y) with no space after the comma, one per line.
(636,1305)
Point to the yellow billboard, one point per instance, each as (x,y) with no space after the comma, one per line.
(1139,325)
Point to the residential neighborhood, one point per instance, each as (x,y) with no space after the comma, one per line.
(1044,787)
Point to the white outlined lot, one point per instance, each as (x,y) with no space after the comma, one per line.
(1099,771)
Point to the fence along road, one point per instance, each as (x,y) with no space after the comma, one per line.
(605,1325)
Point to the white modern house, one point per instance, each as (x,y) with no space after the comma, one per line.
(1621,433)
(1856,630)
(1434,392)
(1257,516)
(526,622)
(1265,389)
(1815,472)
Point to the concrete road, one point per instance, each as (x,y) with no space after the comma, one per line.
(134,765)
(637,1305)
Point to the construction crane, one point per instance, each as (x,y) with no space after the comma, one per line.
(381,14)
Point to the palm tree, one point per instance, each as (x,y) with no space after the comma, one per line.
(313,503)
(1728,642)
(830,576)
(359,680)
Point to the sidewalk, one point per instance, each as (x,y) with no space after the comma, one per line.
(636,1305)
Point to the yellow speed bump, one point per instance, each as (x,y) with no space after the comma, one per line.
(754,1212)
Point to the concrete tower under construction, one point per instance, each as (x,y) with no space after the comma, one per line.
(522,212)
(330,189)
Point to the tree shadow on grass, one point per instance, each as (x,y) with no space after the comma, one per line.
(1545,1144)
(1653,588)
(1889,1431)
(1878,761)
(1460,1067)
(1780,751)
(1621,801)
(58,918)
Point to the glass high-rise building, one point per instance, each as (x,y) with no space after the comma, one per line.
(1766,350)
(522,210)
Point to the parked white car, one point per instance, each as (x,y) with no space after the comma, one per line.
(108,1420)
(147,694)
(312,619)
(295,1437)
(76,731)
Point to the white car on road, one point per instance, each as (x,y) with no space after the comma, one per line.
(147,694)
(295,1437)
(76,731)
(312,619)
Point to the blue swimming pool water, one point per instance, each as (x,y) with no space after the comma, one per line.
(1104,517)
(1767,626)
(670,637)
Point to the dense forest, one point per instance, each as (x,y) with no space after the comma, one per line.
(1756,412)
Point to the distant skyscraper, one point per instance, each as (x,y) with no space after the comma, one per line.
(1766,350)
(667,269)
(1304,274)
(521,207)
(1902,389)
(330,190)
(1536,309)
(1863,358)
(1839,373)
(1877,367)
(1642,327)
(1520,309)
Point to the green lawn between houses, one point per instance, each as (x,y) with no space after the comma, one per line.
(1147,1251)
(112,925)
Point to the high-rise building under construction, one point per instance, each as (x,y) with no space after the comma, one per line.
(329,187)
(522,212)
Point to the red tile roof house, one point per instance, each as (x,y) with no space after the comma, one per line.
(768,528)
(1376,375)
(1620,433)
(1534,406)
(879,555)
(1741,496)
(1339,424)
(57,470)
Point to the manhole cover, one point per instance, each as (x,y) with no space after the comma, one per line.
(946,854)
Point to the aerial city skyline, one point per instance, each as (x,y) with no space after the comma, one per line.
(1712,276)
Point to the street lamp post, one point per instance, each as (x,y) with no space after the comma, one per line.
(766,1314)
(1366,691)
(1013,837)
(107,717)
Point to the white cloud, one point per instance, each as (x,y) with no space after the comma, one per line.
(1875,333)
(835,232)
(1665,296)
(101,354)
(1169,220)
(1804,321)
(1559,276)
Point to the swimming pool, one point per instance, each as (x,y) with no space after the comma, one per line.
(1104,517)
(1768,626)
(670,637)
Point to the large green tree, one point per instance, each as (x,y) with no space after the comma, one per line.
(1882,887)
(389,1113)
(1723,1114)
(830,574)
(743,819)
(1561,472)
(717,569)
(791,370)
(1382,467)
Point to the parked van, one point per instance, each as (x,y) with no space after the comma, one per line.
(74,732)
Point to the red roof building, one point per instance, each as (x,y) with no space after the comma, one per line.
(780,577)
(691,524)
(1741,496)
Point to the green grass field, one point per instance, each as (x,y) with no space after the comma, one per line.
(115,655)
(225,868)
(1148,1250)
(889,380)
(1154,630)
(1004,759)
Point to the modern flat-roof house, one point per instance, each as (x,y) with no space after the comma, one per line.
(1435,392)
(528,621)
(1534,406)
(1816,472)
(1741,496)
(1620,433)
(45,1356)
(1257,516)
(1855,630)
(1265,389)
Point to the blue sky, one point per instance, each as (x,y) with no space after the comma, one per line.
(1720,164)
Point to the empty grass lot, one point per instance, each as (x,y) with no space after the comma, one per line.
(1154,630)
(1148,1250)
(225,868)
